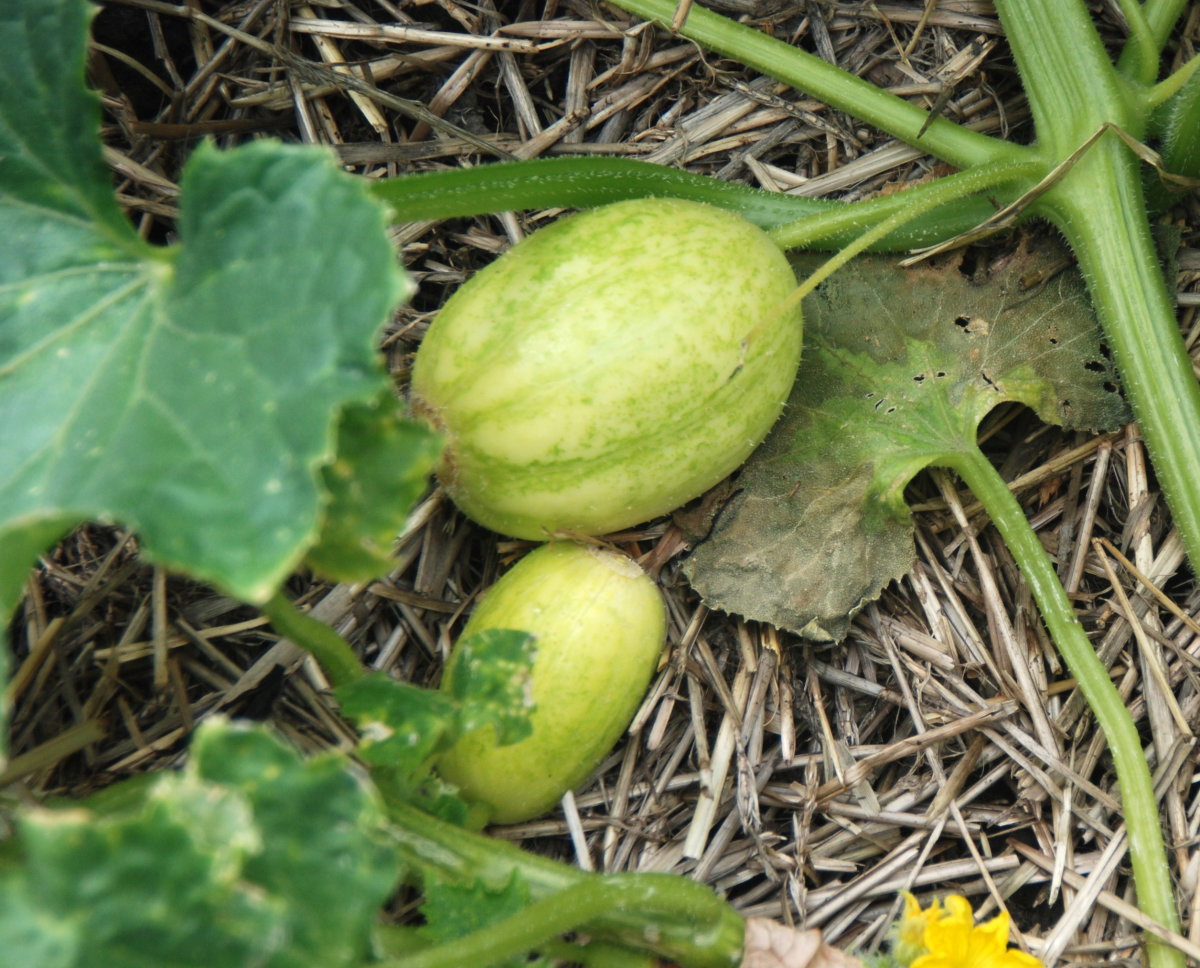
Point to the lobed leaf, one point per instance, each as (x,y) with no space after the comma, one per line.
(324,852)
(491,683)
(403,727)
(454,910)
(899,368)
(191,392)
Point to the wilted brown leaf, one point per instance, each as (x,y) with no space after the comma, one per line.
(900,366)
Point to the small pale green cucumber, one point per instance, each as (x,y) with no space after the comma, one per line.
(599,625)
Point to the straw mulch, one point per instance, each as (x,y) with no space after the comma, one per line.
(940,748)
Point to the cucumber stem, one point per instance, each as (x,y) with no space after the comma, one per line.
(944,139)
(582,182)
(1117,255)
(1167,88)
(918,201)
(1069,81)
(334,654)
(1160,16)
(572,908)
(1139,59)
(1147,854)
(679,919)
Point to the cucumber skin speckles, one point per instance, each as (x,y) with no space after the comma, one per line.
(610,367)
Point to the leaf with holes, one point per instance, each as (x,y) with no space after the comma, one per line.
(900,366)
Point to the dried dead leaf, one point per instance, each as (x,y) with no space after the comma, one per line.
(900,366)
(770,944)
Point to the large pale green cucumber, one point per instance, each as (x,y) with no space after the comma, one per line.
(610,367)
(599,624)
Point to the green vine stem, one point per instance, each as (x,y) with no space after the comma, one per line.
(920,201)
(1160,16)
(1168,88)
(1140,56)
(577,906)
(597,954)
(944,139)
(1117,255)
(1150,869)
(1100,208)
(679,919)
(334,654)
(580,182)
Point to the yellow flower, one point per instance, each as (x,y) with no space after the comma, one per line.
(908,940)
(951,938)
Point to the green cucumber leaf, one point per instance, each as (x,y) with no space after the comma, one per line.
(899,368)
(403,727)
(288,857)
(141,890)
(454,910)
(324,851)
(491,683)
(437,798)
(383,465)
(191,393)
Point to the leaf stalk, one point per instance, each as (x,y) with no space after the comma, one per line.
(333,652)
(1117,255)
(943,139)
(679,919)
(1151,871)
(571,908)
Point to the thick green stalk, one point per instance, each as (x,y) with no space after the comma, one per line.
(943,139)
(1118,259)
(917,205)
(1168,88)
(1071,84)
(577,182)
(1151,873)
(572,908)
(1100,207)
(1139,60)
(680,920)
